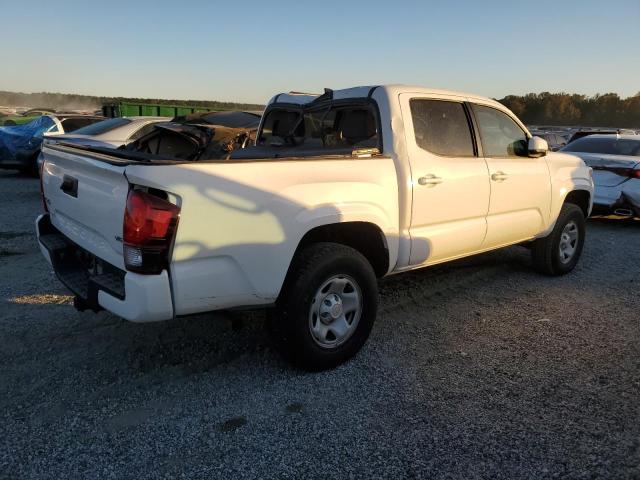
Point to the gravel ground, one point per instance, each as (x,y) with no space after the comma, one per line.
(477,369)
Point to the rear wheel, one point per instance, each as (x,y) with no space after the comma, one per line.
(327,307)
(559,252)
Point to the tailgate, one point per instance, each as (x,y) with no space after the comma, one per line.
(86,199)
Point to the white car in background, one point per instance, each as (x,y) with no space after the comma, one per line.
(109,133)
(615,160)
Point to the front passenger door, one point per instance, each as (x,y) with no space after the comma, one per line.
(520,201)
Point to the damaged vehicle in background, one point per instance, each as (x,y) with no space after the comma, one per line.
(199,136)
(615,160)
(110,133)
(20,144)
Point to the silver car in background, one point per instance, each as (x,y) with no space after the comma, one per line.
(110,133)
(615,160)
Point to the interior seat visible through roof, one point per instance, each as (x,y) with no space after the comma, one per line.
(355,126)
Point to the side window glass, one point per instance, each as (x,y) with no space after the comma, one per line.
(500,135)
(142,132)
(441,127)
(72,124)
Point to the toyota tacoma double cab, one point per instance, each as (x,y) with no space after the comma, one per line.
(339,190)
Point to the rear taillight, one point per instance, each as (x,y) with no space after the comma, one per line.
(148,231)
(44,200)
(623,172)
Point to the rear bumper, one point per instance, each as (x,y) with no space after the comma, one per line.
(98,285)
(624,196)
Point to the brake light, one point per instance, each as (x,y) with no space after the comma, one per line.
(148,232)
(40,172)
(623,172)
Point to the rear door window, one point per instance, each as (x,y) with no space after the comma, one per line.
(99,128)
(141,132)
(442,127)
(75,123)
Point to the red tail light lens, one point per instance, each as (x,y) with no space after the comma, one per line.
(623,172)
(149,228)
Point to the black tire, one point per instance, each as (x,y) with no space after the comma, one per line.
(546,252)
(290,322)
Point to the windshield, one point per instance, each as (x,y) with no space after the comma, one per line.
(102,127)
(605,145)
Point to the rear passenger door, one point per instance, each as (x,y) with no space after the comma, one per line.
(520,185)
(450,181)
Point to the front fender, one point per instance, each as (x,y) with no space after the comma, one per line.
(568,174)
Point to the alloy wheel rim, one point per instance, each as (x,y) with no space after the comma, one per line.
(568,241)
(335,311)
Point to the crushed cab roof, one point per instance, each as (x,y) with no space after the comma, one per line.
(364,91)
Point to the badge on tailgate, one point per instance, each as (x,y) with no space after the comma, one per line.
(70,185)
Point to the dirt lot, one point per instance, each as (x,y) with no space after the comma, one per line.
(479,369)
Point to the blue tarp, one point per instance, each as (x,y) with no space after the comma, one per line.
(20,141)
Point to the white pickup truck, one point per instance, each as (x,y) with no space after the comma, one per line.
(340,189)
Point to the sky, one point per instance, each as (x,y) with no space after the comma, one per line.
(247,51)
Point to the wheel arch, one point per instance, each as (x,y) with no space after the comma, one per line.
(581,198)
(364,237)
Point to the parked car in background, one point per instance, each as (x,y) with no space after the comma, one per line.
(24,117)
(556,140)
(615,160)
(585,132)
(109,133)
(20,144)
(340,189)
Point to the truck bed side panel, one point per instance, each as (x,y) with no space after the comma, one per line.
(241,222)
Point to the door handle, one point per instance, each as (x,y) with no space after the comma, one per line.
(429,180)
(69,185)
(499,177)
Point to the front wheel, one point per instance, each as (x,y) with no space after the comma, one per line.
(559,252)
(327,307)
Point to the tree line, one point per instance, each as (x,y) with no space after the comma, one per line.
(608,110)
(66,101)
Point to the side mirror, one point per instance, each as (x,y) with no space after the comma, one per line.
(537,147)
